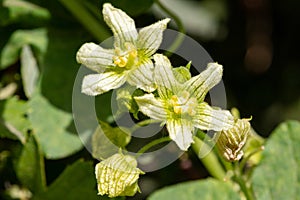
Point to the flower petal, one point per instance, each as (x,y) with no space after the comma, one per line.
(96,84)
(151,106)
(150,37)
(121,24)
(200,85)
(95,57)
(164,78)
(208,118)
(142,76)
(180,131)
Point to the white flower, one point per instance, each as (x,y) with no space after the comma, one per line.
(181,106)
(128,61)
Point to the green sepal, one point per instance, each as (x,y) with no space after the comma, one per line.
(106,140)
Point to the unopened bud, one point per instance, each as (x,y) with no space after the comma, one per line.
(231,141)
(118,176)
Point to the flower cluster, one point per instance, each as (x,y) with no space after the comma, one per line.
(171,95)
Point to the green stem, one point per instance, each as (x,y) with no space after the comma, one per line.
(152,144)
(210,161)
(143,123)
(244,161)
(181,29)
(242,183)
(86,19)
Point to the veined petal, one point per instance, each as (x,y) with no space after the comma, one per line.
(142,76)
(121,24)
(180,131)
(151,106)
(199,85)
(95,57)
(208,118)
(164,78)
(150,37)
(96,84)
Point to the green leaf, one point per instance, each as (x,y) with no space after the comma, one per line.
(13,123)
(132,7)
(278,174)
(194,190)
(29,70)
(30,166)
(49,126)
(13,11)
(76,182)
(60,65)
(36,37)
(107,140)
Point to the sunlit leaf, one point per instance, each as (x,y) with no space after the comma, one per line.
(11,51)
(278,174)
(49,126)
(8,90)
(194,190)
(13,11)
(30,166)
(14,123)
(29,70)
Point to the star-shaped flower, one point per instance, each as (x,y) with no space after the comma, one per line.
(128,61)
(181,106)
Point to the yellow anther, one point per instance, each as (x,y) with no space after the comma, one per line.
(183,104)
(133,53)
(177,109)
(127,57)
(121,61)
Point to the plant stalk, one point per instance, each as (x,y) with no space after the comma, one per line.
(210,161)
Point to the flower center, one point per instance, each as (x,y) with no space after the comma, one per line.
(183,103)
(127,57)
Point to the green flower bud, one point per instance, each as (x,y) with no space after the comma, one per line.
(231,141)
(118,176)
(183,74)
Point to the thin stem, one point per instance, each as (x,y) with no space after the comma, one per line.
(86,19)
(152,144)
(242,183)
(143,123)
(210,161)
(244,161)
(181,29)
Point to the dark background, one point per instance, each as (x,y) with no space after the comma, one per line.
(259,50)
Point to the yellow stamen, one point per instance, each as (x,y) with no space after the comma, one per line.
(121,61)
(177,109)
(183,104)
(127,57)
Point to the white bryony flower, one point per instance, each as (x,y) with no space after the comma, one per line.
(118,176)
(181,106)
(128,61)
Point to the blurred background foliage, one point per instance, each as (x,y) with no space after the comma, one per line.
(256,41)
